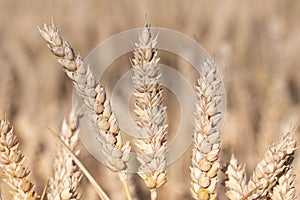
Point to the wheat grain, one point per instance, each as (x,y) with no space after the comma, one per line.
(236,183)
(205,164)
(151,114)
(65,182)
(11,162)
(277,159)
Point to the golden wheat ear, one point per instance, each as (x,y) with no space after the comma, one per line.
(99,190)
(151,115)
(205,156)
(285,188)
(67,175)
(116,152)
(275,163)
(12,164)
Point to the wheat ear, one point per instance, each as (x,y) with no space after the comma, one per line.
(151,114)
(236,183)
(67,175)
(115,150)
(205,155)
(97,187)
(12,164)
(285,188)
(275,162)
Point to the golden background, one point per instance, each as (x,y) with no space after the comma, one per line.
(255,45)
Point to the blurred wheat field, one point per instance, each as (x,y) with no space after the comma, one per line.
(255,46)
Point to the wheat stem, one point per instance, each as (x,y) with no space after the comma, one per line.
(126,190)
(44,193)
(153,194)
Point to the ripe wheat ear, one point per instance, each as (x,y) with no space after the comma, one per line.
(272,179)
(67,175)
(151,115)
(205,156)
(275,163)
(12,164)
(116,152)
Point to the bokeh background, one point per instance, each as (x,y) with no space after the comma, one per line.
(255,44)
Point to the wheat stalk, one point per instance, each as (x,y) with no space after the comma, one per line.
(116,152)
(285,188)
(236,183)
(151,114)
(12,164)
(275,162)
(133,188)
(205,155)
(65,182)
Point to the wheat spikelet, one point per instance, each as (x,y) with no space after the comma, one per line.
(11,162)
(236,183)
(205,164)
(116,152)
(275,162)
(65,182)
(151,114)
(285,188)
